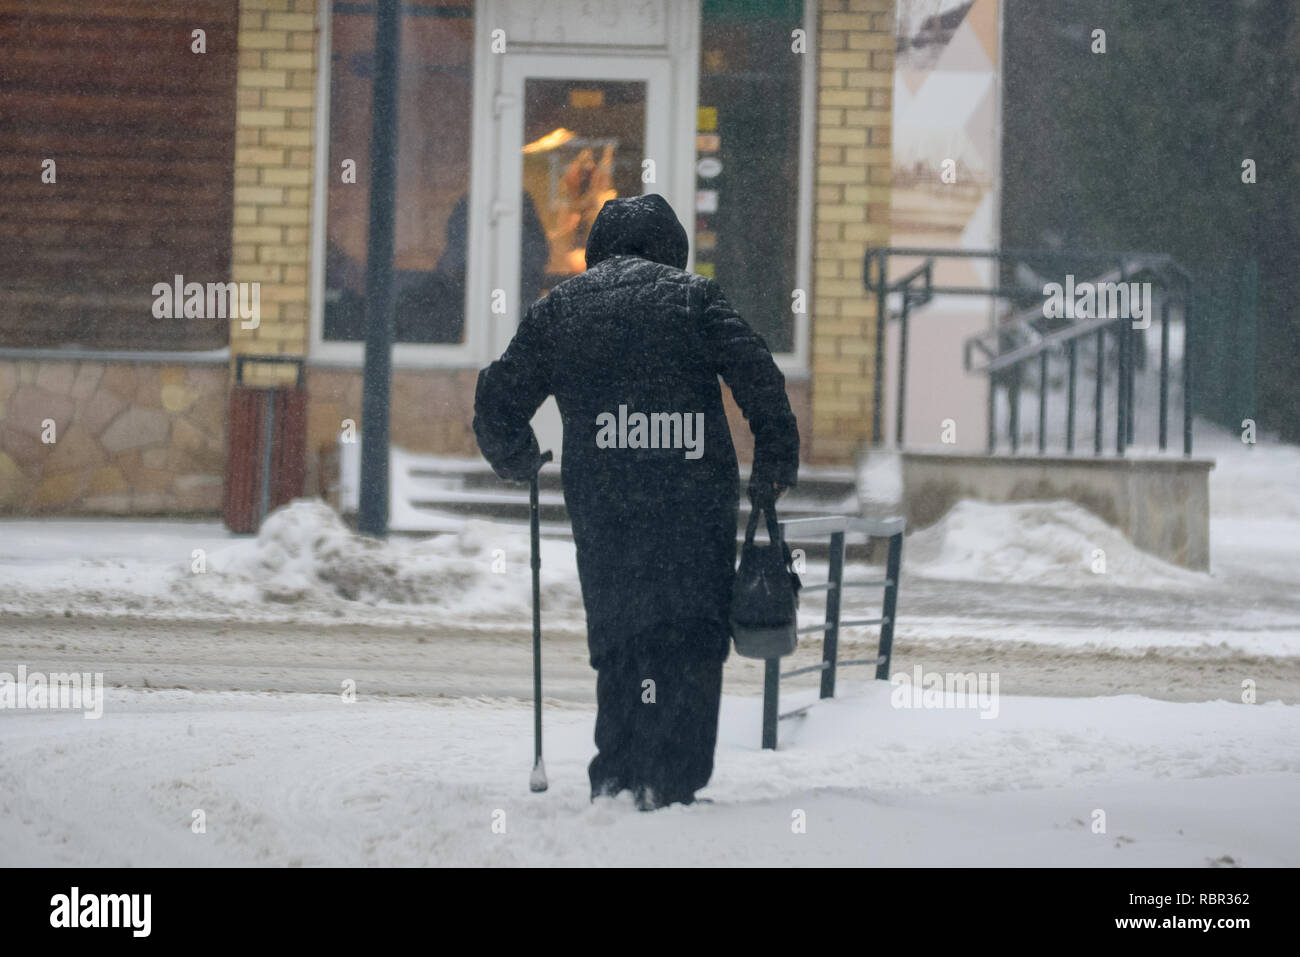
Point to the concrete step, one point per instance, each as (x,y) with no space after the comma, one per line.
(817,484)
(469,489)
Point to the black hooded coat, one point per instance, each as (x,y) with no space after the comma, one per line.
(654,526)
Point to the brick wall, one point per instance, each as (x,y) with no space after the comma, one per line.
(855,85)
(275,113)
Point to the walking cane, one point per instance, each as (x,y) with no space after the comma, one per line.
(537,780)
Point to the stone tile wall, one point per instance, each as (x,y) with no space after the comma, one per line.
(128,437)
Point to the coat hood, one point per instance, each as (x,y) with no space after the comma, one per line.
(644,226)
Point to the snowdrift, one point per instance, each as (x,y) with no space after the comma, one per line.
(304,556)
(1041,543)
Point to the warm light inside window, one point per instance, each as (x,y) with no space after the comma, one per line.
(557,137)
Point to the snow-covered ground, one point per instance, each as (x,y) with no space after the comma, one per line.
(311,780)
(1021,572)
(224,655)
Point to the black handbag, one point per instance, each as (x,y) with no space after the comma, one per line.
(765,594)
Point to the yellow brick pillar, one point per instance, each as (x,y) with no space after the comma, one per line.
(855,86)
(274,129)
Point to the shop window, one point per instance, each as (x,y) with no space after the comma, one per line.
(435,95)
(747,152)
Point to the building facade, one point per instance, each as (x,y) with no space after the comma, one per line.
(767,124)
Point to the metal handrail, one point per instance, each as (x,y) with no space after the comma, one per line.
(1048,343)
(1023,322)
(1176,285)
(858,524)
(837,526)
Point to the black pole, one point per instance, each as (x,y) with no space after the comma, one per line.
(1098,396)
(372,512)
(1130,351)
(1121,387)
(1135,342)
(993,414)
(878,387)
(893,568)
(1187,374)
(1013,396)
(831,637)
(771,700)
(536,563)
(902,370)
(1072,354)
(537,781)
(1164,374)
(1042,402)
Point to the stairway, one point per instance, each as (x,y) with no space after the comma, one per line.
(430,494)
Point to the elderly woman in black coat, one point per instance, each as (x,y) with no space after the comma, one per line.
(632,350)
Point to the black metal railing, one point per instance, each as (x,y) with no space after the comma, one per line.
(1025,337)
(837,526)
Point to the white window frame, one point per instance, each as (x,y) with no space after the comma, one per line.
(797,364)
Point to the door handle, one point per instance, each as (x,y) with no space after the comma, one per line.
(502,102)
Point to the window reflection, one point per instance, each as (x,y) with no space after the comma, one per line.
(435,95)
(584,143)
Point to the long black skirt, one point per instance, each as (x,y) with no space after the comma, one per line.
(657,695)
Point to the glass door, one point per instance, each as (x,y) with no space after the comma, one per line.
(575,132)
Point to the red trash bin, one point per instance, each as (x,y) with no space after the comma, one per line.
(266,446)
